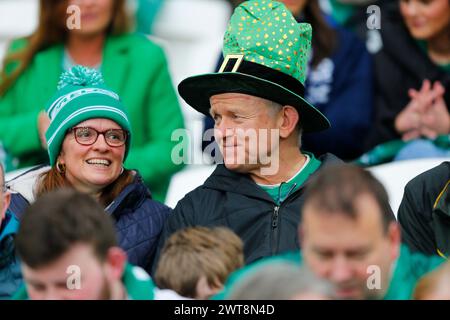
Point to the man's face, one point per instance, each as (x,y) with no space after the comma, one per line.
(57,281)
(246,130)
(5,198)
(349,252)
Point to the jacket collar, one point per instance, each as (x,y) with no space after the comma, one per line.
(130,197)
(114,64)
(226,180)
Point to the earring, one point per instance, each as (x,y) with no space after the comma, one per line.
(123,169)
(60,167)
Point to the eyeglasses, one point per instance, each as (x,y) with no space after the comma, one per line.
(87,136)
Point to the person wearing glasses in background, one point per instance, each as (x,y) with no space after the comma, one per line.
(88,141)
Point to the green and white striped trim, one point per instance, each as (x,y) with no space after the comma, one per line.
(86,110)
(59,103)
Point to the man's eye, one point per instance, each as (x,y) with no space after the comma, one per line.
(324,254)
(38,287)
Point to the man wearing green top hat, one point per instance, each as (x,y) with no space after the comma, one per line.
(256,100)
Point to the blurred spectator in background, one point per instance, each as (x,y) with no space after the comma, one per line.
(339,83)
(132,65)
(69,251)
(435,285)
(412,73)
(349,237)
(88,140)
(10,275)
(424,213)
(282,281)
(195,262)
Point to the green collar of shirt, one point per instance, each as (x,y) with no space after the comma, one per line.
(280,192)
(423,45)
(409,268)
(137,283)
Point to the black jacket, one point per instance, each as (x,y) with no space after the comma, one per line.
(233,200)
(399,66)
(424,212)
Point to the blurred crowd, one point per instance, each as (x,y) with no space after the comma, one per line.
(305,97)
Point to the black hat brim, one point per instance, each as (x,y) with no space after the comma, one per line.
(197,90)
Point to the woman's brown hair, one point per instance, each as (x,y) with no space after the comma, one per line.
(55,179)
(52,30)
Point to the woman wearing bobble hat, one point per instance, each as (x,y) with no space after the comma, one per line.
(88,141)
(96,34)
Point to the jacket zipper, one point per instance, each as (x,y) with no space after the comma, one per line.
(275,217)
(275,230)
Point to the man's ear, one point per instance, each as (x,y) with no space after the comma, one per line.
(394,234)
(204,290)
(116,259)
(6,202)
(289,120)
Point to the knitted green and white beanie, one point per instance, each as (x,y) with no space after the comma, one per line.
(81,95)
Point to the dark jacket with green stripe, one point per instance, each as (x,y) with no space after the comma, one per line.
(424,212)
(409,268)
(235,201)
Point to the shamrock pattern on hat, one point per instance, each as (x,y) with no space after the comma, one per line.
(265,32)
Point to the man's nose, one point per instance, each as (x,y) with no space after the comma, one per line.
(341,270)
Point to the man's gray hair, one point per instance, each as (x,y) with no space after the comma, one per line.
(281,281)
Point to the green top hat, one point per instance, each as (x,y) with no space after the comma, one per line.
(265,55)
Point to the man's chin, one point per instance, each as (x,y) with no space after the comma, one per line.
(349,294)
(235,167)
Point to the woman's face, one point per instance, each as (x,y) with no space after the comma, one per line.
(426,19)
(96,16)
(91,168)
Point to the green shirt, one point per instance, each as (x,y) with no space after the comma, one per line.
(137,283)
(341,12)
(408,269)
(132,66)
(280,192)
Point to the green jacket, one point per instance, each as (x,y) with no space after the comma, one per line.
(137,70)
(137,283)
(409,268)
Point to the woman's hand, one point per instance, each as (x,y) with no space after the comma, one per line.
(43,124)
(408,122)
(436,118)
(425,115)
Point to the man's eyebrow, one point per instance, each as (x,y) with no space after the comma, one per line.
(33,282)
